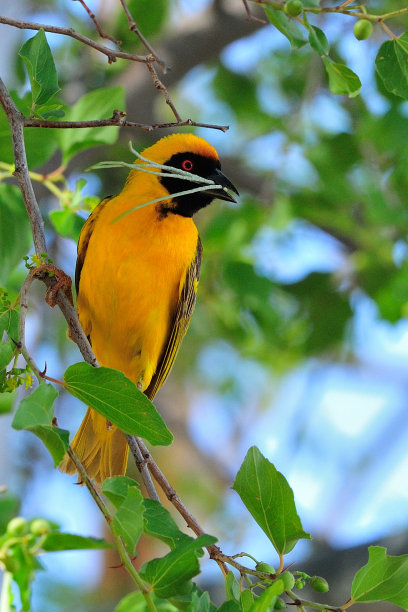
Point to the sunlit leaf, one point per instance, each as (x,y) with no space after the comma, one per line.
(288,27)
(35,413)
(342,80)
(67,223)
(118,399)
(97,104)
(269,499)
(39,62)
(391,65)
(318,41)
(267,599)
(128,521)
(171,574)
(161,525)
(56,541)
(384,578)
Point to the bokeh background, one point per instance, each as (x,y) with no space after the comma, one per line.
(299,342)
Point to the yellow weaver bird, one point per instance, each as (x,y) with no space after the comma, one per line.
(136,281)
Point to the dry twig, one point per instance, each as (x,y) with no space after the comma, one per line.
(97,26)
(133,27)
(111,54)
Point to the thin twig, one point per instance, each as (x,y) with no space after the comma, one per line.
(351,12)
(387,29)
(312,604)
(172,495)
(84,479)
(159,85)
(101,33)
(251,17)
(16,120)
(111,54)
(133,27)
(118,120)
(345,3)
(142,466)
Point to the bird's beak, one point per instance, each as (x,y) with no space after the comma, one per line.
(220,179)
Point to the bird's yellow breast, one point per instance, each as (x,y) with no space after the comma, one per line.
(131,281)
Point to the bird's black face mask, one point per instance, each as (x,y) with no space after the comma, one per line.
(206,167)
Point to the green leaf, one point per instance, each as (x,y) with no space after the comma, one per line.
(128,522)
(269,499)
(14,230)
(230,606)
(9,321)
(384,578)
(9,507)
(40,144)
(67,223)
(6,399)
(391,65)
(200,602)
(247,600)
(35,413)
(57,541)
(22,565)
(342,80)
(116,487)
(42,73)
(232,588)
(50,111)
(318,41)
(98,104)
(6,353)
(119,400)
(170,575)
(266,601)
(288,27)
(160,524)
(135,602)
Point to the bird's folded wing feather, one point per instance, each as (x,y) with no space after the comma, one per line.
(85,237)
(181,321)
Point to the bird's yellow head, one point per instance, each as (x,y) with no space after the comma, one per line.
(166,147)
(192,154)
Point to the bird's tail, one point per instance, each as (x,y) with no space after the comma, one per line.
(102,448)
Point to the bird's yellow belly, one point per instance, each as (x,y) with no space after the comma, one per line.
(130,285)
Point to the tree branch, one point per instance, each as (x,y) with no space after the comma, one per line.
(111,54)
(16,120)
(97,26)
(117,119)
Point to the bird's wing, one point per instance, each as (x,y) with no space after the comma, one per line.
(85,237)
(180,324)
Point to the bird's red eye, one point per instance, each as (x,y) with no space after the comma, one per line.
(187,165)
